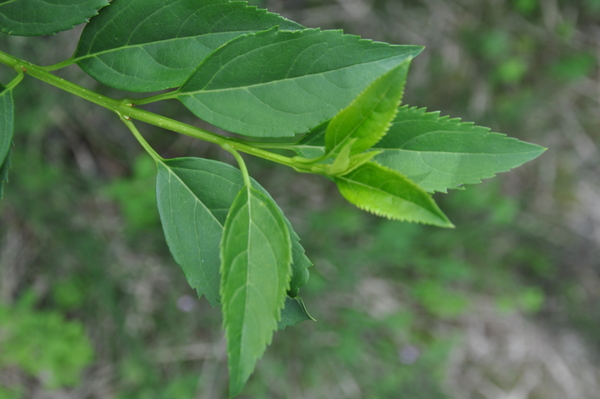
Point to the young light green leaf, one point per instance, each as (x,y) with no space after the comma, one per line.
(256,256)
(193,197)
(7,115)
(45,17)
(343,164)
(342,159)
(279,83)
(293,313)
(385,192)
(437,153)
(368,117)
(150,45)
(312,145)
(442,153)
(359,160)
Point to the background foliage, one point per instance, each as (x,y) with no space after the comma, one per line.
(502,304)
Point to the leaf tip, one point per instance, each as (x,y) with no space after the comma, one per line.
(448,224)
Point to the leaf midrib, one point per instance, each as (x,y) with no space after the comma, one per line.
(141,45)
(190,191)
(382,191)
(246,87)
(163,41)
(385,149)
(362,121)
(176,231)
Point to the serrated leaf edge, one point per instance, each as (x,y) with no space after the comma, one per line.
(276,30)
(336,150)
(54,32)
(275,209)
(369,209)
(261,10)
(463,127)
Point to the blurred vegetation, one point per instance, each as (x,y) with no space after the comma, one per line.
(92,305)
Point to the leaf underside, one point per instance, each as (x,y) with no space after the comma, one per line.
(45,17)
(7,112)
(150,45)
(4,169)
(293,313)
(368,117)
(193,197)
(256,256)
(387,193)
(300,263)
(279,83)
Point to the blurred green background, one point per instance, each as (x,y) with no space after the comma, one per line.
(504,306)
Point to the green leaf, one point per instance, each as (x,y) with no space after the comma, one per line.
(293,313)
(7,116)
(279,83)
(193,197)
(45,17)
(368,117)
(341,161)
(343,164)
(300,264)
(150,45)
(437,153)
(386,192)
(256,256)
(442,153)
(4,168)
(358,160)
(312,145)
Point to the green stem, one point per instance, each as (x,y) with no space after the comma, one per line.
(281,146)
(56,81)
(11,85)
(158,97)
(60,65)
(241,164)
(141,139)
(127,109)
(290,147)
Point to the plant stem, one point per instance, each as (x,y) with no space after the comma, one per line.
(158,97)
(141,139)
(56,81)
(126,109)
(11,85)
(281,146)
(60,65)
(241,164)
